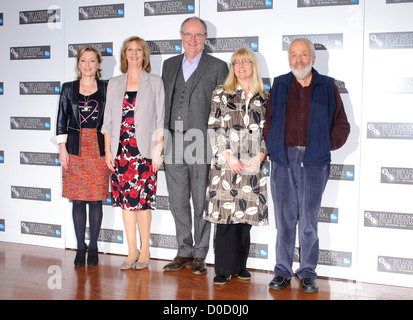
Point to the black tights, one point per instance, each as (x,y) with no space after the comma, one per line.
(79,221)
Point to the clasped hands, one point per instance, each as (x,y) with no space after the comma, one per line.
(236,166)
(157,160)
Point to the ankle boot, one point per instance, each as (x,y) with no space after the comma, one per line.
(92,257)
(80,258)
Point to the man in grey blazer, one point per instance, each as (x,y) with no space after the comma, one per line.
(189,80)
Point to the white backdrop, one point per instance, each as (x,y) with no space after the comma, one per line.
(366,221)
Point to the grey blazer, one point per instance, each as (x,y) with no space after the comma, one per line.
(210,73)
(149,111)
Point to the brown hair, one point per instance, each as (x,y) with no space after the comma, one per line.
(146,63)
(98,56)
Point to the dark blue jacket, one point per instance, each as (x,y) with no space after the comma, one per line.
(322,107)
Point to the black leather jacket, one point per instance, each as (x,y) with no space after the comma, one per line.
(68,117)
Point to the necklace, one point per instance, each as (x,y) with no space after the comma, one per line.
(87,89)
(86,107)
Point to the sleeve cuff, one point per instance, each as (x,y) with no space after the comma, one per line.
(61,138)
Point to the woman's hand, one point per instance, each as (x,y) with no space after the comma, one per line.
(234,164)
(108,154)
(253,165)
(157,160)
(109,160)
(63,156)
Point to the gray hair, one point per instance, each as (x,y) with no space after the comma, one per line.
(195,18)
(312,47)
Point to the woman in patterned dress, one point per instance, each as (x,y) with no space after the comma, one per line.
(81,150)
(133,130)
(236,198)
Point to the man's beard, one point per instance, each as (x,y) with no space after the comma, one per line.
(300,75)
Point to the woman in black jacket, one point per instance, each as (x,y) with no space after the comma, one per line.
(81,150)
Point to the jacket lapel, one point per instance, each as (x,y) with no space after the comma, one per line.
(174,75)
(123,80)
(142,89)
(101,99)
(200,70)
(75,101)
(120,93)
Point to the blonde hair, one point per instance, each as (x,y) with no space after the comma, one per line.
(80,54)
(146,63)
(231,82)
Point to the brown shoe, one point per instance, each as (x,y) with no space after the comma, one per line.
(199,266)
(178,263)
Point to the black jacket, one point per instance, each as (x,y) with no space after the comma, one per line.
(68,117)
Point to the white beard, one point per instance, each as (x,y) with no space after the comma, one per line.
(300,75)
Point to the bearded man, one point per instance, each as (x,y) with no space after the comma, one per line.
(305,120)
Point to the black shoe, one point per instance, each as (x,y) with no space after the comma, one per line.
(279,283)
(309,285)
(92,257)
(80,258)
(244,275)
(221,279)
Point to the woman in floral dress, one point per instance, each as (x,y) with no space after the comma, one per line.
(236,198)
(133,130)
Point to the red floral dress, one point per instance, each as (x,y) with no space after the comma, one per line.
(133,181)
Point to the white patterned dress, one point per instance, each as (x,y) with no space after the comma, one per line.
(238,128)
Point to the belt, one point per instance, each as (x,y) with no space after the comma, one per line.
(298,147)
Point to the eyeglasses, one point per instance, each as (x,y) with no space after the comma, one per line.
(197,36)
(243,62)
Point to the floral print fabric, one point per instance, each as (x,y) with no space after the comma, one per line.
(133,181)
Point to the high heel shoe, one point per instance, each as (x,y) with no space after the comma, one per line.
(126,265)
(92,257)
(142,265)
(80,258)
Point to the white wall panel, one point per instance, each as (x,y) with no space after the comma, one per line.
(376,85)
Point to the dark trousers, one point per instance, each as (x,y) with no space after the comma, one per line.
(297,191)
(232,246)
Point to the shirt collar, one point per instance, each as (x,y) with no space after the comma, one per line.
(196,60)
(250,95)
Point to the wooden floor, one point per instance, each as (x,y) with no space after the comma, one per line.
(32,272)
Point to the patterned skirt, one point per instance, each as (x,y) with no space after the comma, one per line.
(87,176)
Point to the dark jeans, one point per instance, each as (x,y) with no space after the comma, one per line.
(297,191)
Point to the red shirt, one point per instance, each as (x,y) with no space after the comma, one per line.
(298,113)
